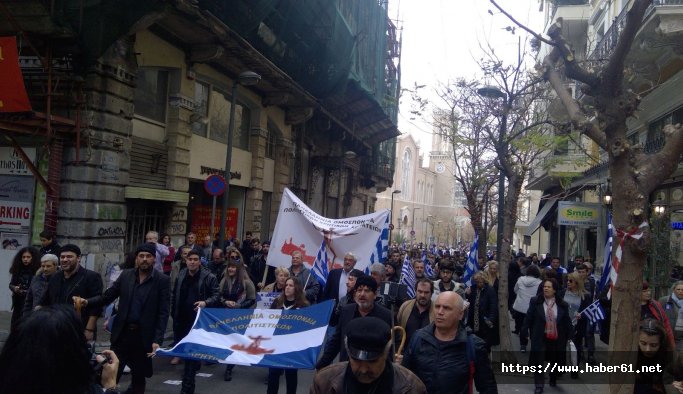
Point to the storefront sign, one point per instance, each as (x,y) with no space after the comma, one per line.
(15,216)
(571,213)
(13,97)
(10,161)
(201,221)
(16,188)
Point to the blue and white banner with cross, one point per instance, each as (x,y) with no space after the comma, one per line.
(273,338)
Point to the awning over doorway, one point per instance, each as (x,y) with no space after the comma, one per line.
(542,213)
(156,194)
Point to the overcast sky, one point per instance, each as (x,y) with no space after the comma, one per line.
(441,42)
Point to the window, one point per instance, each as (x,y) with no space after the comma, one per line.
(213,107)
(151,91)
(201,109)
(405,174)
(655,131)
(271,141)
(266,205)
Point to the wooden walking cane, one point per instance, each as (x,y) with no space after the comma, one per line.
(403,338)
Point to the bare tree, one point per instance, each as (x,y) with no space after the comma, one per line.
(461,121)
(520,134)
(635,174)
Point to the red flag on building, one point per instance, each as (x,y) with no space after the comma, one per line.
(13,97)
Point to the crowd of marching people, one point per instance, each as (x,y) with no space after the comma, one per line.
(444,300)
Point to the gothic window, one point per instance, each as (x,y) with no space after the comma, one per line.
(405,174)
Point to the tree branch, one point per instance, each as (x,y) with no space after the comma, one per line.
(613,74)
(572,68)
(533,33)
(577,116)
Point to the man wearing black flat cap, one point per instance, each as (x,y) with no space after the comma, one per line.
(73,280)
(369,369)
(364,296)
(144,295)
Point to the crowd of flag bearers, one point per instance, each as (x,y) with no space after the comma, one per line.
(432,314)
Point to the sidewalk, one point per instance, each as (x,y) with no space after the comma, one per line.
(519,383)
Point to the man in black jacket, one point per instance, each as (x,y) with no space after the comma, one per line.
(258,266)
(74,280)
(364,295)
(138,330)
(195,288)
(335,288)
(456,349)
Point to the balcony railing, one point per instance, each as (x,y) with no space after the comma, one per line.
(609,41)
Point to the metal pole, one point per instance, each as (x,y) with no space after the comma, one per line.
(501,189)
(228,159)
(486,221)
(391,217)
(213,218)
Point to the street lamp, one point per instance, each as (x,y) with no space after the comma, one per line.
(412,225)
(607,197)
(247,78)
(391,213)
(493,92)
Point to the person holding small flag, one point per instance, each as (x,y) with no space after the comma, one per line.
(578,299)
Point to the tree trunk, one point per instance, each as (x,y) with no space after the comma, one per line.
(630,210)
(514,188)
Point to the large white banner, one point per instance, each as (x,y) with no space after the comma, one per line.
(299,228)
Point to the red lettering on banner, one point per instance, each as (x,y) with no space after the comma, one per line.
(13,97)
(15,212)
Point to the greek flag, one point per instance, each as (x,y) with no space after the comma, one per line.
(320,269)
(472,264)
(381,251)
(408,276)
(607,268)
(273,338)
(594,312)
(429,271)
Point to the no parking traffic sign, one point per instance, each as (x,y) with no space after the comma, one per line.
(214,185)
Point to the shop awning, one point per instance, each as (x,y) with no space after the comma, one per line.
(146,193)
(542,213)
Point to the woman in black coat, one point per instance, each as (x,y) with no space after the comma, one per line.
(482,315)
(24,266)
(578,299)
(550,327)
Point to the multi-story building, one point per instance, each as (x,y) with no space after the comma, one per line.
(655,65)
(130,112)
(430,207)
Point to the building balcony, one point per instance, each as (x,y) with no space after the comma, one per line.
(656,48)
(575,15)
(554,167)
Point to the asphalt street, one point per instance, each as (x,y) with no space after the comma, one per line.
(252,380)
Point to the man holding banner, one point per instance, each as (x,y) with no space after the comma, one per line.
(305,276)
(301,230)
(195,288)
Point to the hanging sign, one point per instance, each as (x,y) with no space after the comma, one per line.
(13,97)
(571,213)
